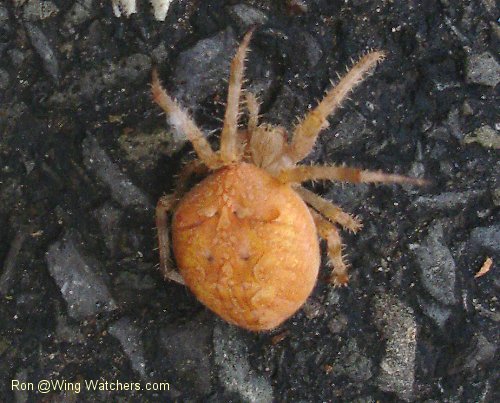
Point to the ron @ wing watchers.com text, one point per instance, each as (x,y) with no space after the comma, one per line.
(48,386)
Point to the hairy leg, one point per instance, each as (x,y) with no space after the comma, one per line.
(253,112)
(163,208)
(180,120)
(330,233)
(228,142)
(329,210)
(307,130)
(194,167)
(303,173)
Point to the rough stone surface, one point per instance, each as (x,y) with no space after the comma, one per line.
(4,14)
(4,79)
(79,282)
(486,136)
(129,337)
(353,363)
(122,189)
(480,352)
(437,266)
(235,373)
(8,275)
(94,81)
(109,217)
(483,69)
(337,324)
(44,49)
(125,7)
(35,10)
(204,68)
(349,133)
(75,87)
(187,348)
(145,149)
(397,324)
(487,237)
(449,200)
(436,312)
(80,12)
(248,16)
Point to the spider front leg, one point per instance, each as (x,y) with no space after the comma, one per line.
(307,130)
(330,233)
(229,148)
(181,121)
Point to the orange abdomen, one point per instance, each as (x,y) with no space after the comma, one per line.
(246,245)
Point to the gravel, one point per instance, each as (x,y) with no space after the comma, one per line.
(129,337)
(437,266)
(247,16)
(483,69)
(487,237)
(44,49)
(34,10)
(80,12)
(436,312)
(485,135)
(85,154)
(447,201)
(187,349)
(202,70)
(78,279)
(397,324)
(353,363)
(4,79)
(235,373)
(122,189)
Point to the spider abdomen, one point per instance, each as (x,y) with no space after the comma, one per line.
(246,245)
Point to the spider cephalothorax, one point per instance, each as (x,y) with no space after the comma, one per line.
(244,239)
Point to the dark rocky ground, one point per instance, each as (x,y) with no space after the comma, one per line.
(84,155)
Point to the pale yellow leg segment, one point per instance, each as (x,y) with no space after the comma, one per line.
(164,206)
(229,147)
(330,233)
(306,132)
(329,210)
(182,122)
(253,112)
(303,173)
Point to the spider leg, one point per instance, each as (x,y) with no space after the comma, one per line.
(165,205)
(194,167)
(307,130)
(228,142)
(330,233)
(304,173)
(329,210)
(253,111)
(180,120)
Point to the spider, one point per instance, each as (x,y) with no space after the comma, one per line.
(244,239)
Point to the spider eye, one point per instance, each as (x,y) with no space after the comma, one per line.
(245,256)
(208,255)
(208,212)
(242,212)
